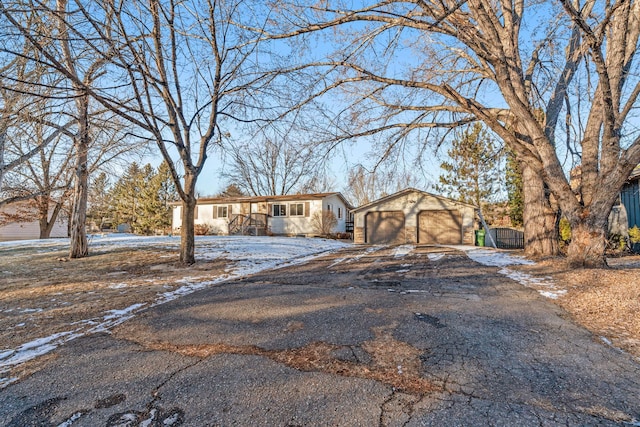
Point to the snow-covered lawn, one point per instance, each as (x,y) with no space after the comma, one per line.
(496,258)
(243,256)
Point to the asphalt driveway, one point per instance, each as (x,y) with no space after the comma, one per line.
(356,338)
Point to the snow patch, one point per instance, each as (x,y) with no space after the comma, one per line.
(31,310)
(75,417)
(368,251)
(336,262)
(544,285)
(435,256)
(496,259)
(116,317)
(31,350)
(402,251)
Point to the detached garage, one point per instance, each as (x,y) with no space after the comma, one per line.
(414,216)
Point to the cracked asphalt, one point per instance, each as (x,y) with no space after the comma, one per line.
(356,338)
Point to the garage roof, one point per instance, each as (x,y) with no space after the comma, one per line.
(406,191)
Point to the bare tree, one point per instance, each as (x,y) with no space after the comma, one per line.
(180,71)
(414,66)
(47,178)
(26,89)
(323,181)
(361,188)
(52,46)
(365,186)
(270,168)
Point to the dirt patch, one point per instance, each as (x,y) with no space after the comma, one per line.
(44,293)
(391,362)
(605,301)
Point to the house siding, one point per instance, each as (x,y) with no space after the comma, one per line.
(286,225)
(29,230)
(206,216)
(294,225)
(339,210)
(630,197)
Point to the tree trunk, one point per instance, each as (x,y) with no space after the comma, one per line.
(2,142)
(78,241)
(587,247)
(187,232)
(46,222)
(539,218)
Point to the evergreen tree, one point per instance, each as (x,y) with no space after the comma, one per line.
(126,195)
(154,209)
(513,180)
(99,200)
(142,197)
(232,190)
(472,174)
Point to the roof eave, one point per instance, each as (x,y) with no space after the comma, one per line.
(410,190)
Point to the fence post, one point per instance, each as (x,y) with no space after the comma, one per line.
(486,227)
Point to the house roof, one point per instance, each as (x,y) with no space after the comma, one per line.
(407,191)
(268,199)
(635,173)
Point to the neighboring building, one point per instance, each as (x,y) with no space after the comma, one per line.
(12,227)
(630,198)
(414,216)
(279,215)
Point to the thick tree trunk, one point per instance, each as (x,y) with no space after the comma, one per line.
(587,247)
(187,232)
(78,239)
(539,218)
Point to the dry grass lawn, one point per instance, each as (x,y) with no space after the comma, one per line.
(43,293)
(607,301)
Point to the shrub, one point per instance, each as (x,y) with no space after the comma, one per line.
(617,243)
(565,230)
(324,222)
(634,234)
(202,229)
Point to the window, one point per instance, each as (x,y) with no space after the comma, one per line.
(296,209)
(279,210)
(222,212)
(195,212)
(339,213)
(328,207)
